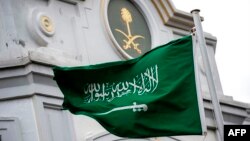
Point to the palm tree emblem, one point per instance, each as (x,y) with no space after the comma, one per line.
(130,39)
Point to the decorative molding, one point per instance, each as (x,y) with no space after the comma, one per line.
(52,56)
(11,128)
(172,16)
(27,81)
(107,136)
(48,57)
(247,120)
(52,106)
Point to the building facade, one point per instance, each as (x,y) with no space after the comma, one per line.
(36,35)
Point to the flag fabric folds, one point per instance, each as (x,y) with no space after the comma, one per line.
(149,96)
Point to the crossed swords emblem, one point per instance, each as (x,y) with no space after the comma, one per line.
(130,39)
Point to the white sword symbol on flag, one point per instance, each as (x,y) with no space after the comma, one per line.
(135,107)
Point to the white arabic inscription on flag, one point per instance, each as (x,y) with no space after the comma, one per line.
(145,82)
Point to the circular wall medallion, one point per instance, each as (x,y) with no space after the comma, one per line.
(129,28)
(41,27)
(46,25)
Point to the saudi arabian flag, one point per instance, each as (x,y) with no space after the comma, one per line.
(150,96)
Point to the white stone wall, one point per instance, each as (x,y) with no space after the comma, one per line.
(30,101)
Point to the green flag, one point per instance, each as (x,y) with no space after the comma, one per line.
(150,96)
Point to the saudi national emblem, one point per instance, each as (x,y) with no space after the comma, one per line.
(130,40)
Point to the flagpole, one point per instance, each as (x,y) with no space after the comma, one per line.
(198,88)
(201,40)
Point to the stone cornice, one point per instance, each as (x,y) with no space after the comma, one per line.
(172,16)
